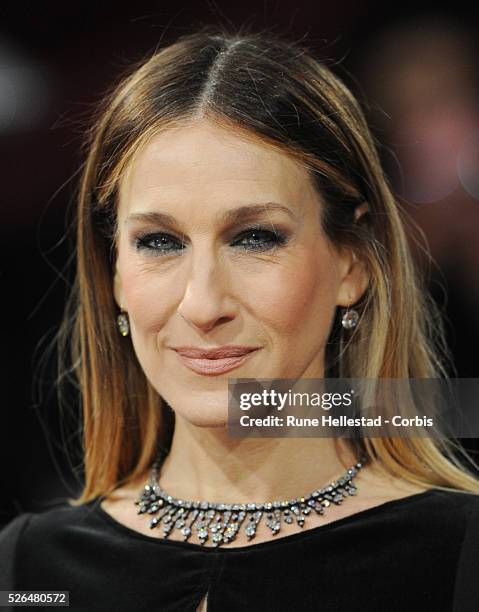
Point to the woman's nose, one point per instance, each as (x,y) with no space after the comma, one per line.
(206,300)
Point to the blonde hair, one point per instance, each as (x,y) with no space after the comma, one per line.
(276,90)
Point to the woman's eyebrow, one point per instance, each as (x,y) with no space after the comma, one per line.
(233,215)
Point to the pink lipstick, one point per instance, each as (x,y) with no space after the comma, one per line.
(214,361)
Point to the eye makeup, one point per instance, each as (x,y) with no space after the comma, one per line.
(255,238)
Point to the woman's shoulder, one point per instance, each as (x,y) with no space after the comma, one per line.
(55,514)
(33,536)
(10,534)
(444,511)
(456,507)
(36,526)
(440,506)
(462,507)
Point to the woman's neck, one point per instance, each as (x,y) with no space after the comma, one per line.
(208,464)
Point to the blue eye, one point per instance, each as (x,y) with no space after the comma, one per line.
(260,239)
(252,239)
(157,243)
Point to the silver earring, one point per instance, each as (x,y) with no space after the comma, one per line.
(123,323)
(350,318)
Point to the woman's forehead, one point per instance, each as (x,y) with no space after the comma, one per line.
(208,164)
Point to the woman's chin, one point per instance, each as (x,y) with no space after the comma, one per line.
(202,410)
(215,418)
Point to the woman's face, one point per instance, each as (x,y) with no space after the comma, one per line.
(220,243)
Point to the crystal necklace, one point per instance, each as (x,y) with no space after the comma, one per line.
(221,522)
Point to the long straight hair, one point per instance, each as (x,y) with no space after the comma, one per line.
(275,90)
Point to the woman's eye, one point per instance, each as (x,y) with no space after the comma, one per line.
(253,239)
(260,239)
(158,243)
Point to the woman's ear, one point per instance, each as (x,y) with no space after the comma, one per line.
(360,210)
(354,278)
(118,290)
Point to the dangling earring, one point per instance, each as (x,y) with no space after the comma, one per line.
(123,323)
(350,318)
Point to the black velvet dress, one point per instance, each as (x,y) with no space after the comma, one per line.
(420,552)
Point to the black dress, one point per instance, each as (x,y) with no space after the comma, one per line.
(420,552)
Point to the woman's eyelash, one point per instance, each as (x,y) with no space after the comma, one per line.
(257,239)
(272,239)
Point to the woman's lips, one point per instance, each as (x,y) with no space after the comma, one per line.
(214,366)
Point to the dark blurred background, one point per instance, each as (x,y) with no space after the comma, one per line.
(415,71)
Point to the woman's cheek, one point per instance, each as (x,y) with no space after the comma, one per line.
(146,298)
(290,297)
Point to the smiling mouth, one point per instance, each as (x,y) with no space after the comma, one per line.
(213,367)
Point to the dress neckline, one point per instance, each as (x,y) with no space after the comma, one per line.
(350,518)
